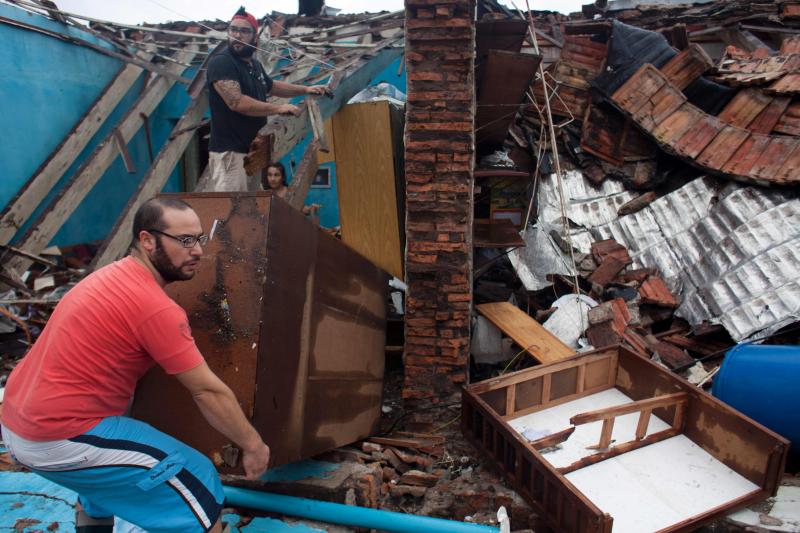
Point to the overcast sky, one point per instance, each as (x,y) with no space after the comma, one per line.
(129,12)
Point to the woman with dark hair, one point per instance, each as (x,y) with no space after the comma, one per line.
(276,182)
(276,179)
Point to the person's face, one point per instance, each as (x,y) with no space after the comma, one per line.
(274,178)
(240,35)
(168,256)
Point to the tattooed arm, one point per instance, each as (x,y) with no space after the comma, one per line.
(231,93)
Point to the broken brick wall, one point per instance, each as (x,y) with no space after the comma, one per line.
(439,159)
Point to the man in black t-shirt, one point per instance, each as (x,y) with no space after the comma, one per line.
(238,89)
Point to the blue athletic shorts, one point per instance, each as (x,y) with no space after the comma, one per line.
(125,468)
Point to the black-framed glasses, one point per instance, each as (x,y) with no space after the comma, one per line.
(240,30)
(187,241)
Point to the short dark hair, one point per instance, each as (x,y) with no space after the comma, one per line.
(150,215)
(280,167)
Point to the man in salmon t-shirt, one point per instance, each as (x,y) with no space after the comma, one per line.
(63,406)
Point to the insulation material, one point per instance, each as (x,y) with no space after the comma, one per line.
(570,320)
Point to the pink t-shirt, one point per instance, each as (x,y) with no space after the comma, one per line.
(103,336)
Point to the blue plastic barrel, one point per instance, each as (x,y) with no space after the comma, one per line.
(763,382)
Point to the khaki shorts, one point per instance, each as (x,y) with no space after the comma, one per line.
(227,173)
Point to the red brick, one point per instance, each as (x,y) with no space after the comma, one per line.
(425,76)
(459,297)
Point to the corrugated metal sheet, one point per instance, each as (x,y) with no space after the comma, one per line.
(731,253)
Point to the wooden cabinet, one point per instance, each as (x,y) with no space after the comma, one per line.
(290,318)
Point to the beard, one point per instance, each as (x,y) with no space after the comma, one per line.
(246,52)
(162,263)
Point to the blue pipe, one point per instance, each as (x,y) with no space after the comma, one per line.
(347,515)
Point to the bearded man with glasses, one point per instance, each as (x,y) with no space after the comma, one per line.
(238,89)
(64,406)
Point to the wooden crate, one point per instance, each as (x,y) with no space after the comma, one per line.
(670,411)
(290,318)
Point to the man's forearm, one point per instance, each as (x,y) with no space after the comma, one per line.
(256,108)
(285,90)
(223,412)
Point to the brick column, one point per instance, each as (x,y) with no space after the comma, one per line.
(439,158)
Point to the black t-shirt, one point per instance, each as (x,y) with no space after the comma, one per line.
(231,131)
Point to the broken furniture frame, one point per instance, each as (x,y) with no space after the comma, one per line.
(752,451)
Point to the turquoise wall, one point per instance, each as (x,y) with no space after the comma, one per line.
(46,87)
(329,198)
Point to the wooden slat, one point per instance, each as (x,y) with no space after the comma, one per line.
(765,122)
(511,399)
(696,138)
(617,450)
(120,235)
(644,421)
(554,439)
(745,107)
(656,402)
(350,79)
(637,91)
(528,374)
(47,175)
(687,66)
(674,126)
(773,157)
(743,160)
(81,183)
(366,183)
(724,145)
(788,172)
(526,332)
(303,176)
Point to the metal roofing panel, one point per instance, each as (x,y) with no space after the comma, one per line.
(730,252)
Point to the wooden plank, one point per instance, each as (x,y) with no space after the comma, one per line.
(744,107)
(605,434)
(665,400)
(119,237)
(675,125)
(665,102)
(743,160)
(687,66)
(695,139)
(366,183)
(618,450)
(766,120)
(788,172)
(773,157)
(493,116)
(637,91)
(353,78)
(641,425)
(303,176)
(553,440)
(511,399)
(526,332)
(37,187)
(75,190)
(528,374)
(724,145)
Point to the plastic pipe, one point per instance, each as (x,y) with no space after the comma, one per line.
(347,515)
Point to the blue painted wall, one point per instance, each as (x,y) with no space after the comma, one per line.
(46,87)
(329,198)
